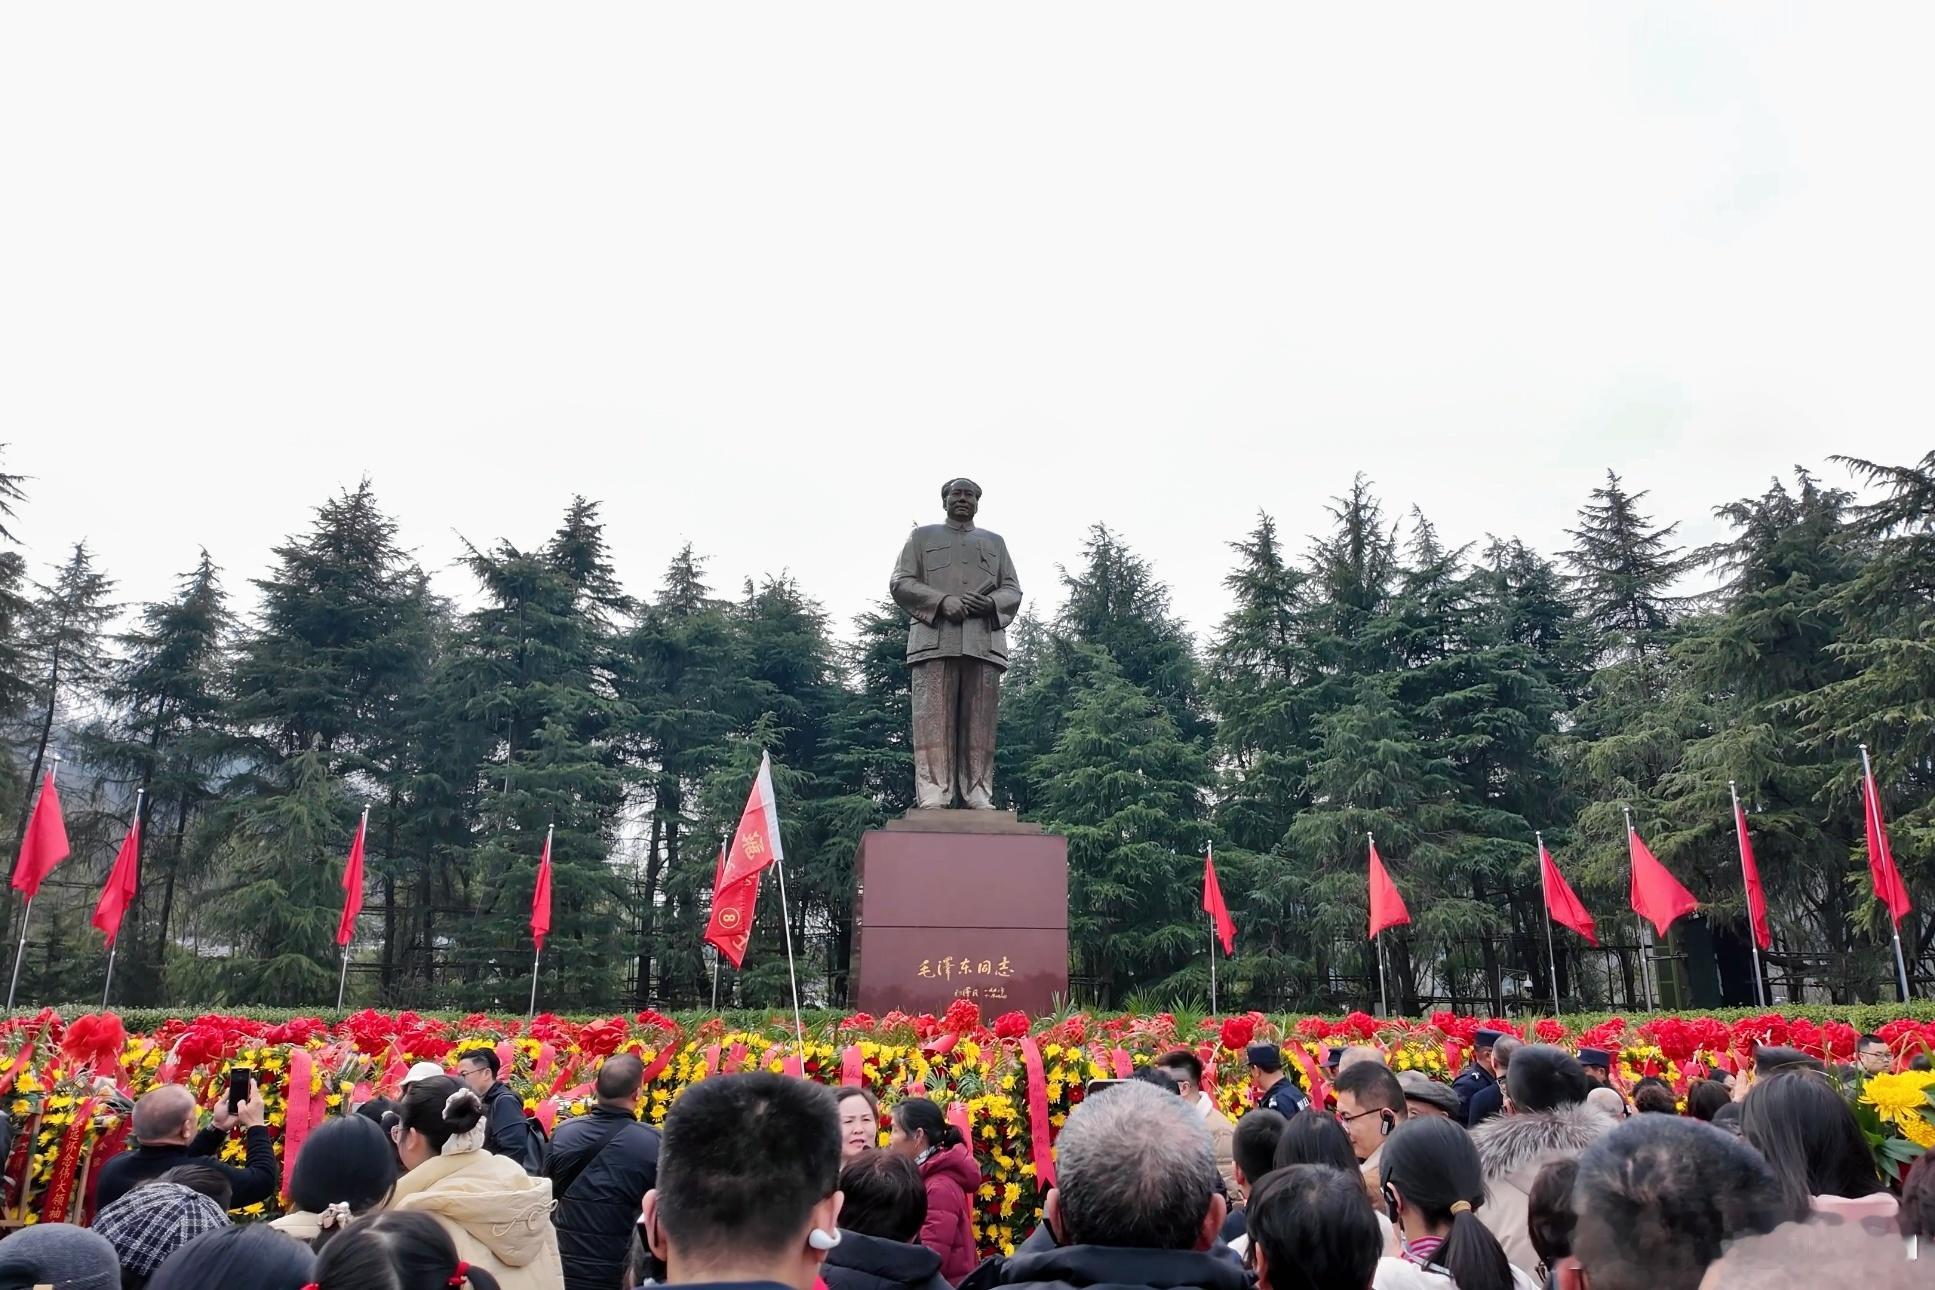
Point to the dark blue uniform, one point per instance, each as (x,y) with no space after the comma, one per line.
(1470,1080)
(1285,1098)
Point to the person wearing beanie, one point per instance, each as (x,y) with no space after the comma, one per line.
(153,1221)
(61,1256)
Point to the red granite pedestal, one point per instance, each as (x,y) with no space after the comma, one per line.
(961,905)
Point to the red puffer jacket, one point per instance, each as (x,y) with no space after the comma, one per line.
(951,1177)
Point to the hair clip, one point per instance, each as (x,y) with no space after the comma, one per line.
(461,1275)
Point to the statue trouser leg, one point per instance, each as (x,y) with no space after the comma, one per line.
(935,683)
(980,700)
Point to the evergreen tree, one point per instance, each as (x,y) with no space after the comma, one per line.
(1623,567)
(539,657)
(682,677)
(166,732)
(280,891)
(1123,785)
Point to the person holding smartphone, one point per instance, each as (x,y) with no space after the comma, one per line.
(166,1120)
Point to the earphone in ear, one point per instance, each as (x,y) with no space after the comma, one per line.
(821,1239)
(1385,1123)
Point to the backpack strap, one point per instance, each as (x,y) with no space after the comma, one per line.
(561,1181)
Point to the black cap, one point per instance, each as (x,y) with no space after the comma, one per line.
(1332,1056)
(1486,1038)
(1595,1057)
(1265,1057)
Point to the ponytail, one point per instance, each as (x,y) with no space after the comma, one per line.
(1432,1164)
(1473,1254)
(922,1115)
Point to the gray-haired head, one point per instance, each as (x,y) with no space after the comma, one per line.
(161,1114)
(1135,1171)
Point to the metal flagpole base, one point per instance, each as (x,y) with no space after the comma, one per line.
(786,922)
(1901,967)
(20,952)
(342,979)
(108,984)
(535,959)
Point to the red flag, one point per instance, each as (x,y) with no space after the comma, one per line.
(730,927)
(353,884)
(755,844)
(1387,906)
(1750,875)
(45,843)
(541,896)
(1562,904)
(1657,895)
(1213,905)
(123,881)
(1889,888)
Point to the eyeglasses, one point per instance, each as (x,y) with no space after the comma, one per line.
(1346,1119)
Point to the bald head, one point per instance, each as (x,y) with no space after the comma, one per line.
(165,1115)
(1360,1053)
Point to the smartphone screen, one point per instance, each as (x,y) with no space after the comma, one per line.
(1098,1085)
(238,1087)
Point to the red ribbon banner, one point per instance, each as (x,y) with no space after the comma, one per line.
(1041,1134)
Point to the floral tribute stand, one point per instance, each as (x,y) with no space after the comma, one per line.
(961,905)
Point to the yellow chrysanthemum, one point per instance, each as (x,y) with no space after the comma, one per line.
(1898,1097)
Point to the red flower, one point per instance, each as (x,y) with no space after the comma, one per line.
(1549,1030)
(1011,1025)
(600,1039)
(1609,1034)
(858,1021)
(657,1020)
(297,1031)
(1314,1028)
(962,1016)
(1237,1033)
(95,1041)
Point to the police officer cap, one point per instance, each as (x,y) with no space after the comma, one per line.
(1332,1056)
(1265,1057)
(1486,1038)
(1595,1057)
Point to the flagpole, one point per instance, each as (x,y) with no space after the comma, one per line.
(1212,967)
(1551,954)
(1377,938)
(20,951)
(1870,803)
(715,978)
(1753,934)
(1209,852)
(114,945)
(1639,924)
(786,921)
(537,955)
(342,978)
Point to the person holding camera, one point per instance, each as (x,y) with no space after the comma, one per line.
(166,1120)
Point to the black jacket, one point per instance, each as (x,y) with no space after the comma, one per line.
(862,1262)
(598,1211)
(1485,1103)
(1092,1267)
(254,1181)
(509,1132)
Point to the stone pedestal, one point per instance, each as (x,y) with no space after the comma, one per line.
(960,905)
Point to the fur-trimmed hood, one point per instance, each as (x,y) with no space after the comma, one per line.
(1508,1143)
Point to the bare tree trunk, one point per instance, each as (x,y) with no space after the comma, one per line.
(168,897)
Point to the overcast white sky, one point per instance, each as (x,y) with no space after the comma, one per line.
(762,276)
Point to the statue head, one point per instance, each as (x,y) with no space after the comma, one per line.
(960,498)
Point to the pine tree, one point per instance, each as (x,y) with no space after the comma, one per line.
(281,887)
(334,663)
(1622,569)
(166,731)
(1123,785)
(540,658)
(682,678)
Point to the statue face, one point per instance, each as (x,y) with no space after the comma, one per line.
(961,503)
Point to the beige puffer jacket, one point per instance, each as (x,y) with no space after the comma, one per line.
(499,1215)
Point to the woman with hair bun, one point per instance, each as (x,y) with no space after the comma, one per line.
(498,1216)
(397,1251)
(950,1175)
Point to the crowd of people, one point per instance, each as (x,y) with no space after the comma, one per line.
(1530,1170)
